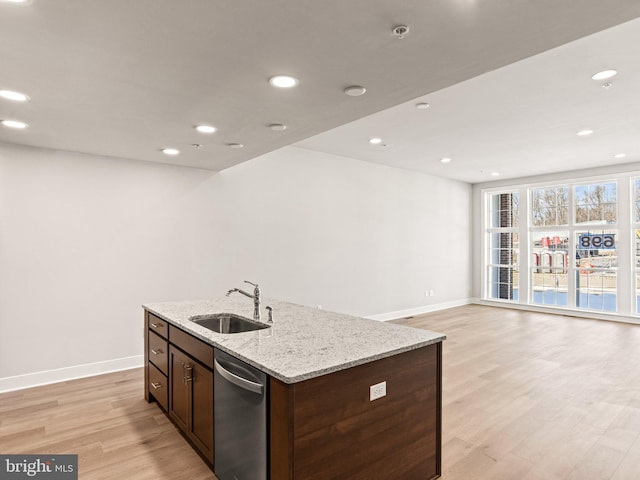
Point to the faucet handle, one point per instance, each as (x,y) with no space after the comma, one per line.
(251,283)
(270,310)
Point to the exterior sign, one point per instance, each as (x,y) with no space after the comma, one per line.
(597,241)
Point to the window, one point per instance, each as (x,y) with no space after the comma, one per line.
(550,206)
(596,249)
(549,267)
(596,203)
(571,240)
(503,245)
(549,245)
(636,242)
(596,265)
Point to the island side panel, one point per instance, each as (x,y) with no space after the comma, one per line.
(339,433)
(281,430)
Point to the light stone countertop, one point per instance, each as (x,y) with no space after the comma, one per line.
(303,342)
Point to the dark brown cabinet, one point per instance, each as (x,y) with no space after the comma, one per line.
(191,400)
(180,367)
(179,376)
(156,349)
(158,352)
(326,427)
(158,384)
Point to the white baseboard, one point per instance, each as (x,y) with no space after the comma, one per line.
(593,315)
(384,317)
(36,379)
(9,384)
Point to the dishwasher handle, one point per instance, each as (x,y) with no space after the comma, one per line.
(238,380)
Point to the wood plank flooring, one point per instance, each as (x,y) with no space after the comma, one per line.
(531,396)
(527,396)
(107,422)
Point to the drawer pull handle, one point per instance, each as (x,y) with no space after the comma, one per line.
(188,375)
(157,352)
(156,325)
(156,385)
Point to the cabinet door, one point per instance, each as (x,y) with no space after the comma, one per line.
(202,409)
(191,400)
(179,393)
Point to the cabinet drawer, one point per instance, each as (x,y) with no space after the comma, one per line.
(157,325)
(159,352)
(158,387)
(199,350)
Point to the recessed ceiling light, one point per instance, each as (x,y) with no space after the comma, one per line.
(445,160)
(283,81)
(14,124)
(15,96)
(495,174)
(422,105)
(235,145)
(170,151)
(375,141)
(355,90)
(620,155)
(206,129)
(16,1)
(603,75)
(278,127)
(584,133)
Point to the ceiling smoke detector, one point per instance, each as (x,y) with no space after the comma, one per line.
(400,31)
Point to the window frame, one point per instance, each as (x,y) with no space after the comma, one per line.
(625,227)
(487,244)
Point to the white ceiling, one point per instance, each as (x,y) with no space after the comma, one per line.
(125,78)
(516,121)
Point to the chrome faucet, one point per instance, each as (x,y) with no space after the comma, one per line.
(255,296)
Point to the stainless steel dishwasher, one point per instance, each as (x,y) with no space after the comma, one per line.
(240,419)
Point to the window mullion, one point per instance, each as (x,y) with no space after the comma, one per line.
(571,267)
(525,239)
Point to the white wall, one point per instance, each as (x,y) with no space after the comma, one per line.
(84,240)
(351,236)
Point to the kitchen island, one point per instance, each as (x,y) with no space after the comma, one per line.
(346,397)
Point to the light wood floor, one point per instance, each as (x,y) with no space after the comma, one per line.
(107,422)
(530,396)
(527,396)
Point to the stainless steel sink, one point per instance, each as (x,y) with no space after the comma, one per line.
(227,323)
